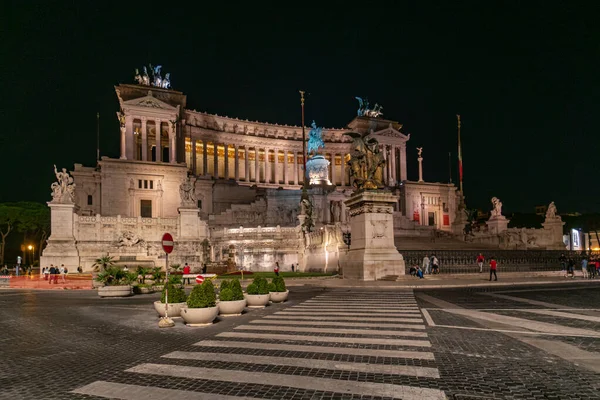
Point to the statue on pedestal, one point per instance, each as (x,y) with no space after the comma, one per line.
(497,211)
(63,190)
(187,194)
(551,212)
(366,162)
(365,111)
(315,140)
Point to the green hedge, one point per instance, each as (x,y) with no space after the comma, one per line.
(176,294)
(231,290)
(278,284)
(202,296)
(258,286)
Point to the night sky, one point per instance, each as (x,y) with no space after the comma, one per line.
(525,79)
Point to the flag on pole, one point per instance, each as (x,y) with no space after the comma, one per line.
(460,166)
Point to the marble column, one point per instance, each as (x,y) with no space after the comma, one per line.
(403,162)
(237,162)
(216,160)
(204,157)
(226,169)
(123,145)
(158,150)
(194,144)
(387,164)
(130,151)
(246,164)
(344,168)
(267,166)
(334,168)
(285,169)
(172,153)
(144,139)
(420,159)
(256,166)
(295,167)
(393,166)
(275,165)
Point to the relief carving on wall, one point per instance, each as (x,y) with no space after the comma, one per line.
(379,228)
(130,239)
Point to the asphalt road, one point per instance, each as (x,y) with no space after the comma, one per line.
(518,343)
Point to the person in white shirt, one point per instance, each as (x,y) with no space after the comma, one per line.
(426,268)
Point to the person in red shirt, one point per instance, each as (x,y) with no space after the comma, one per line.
(480,261)
(186,271)
(276,269)
(493,267)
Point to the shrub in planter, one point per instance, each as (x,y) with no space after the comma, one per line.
(201,305)
(177,299)
(143,288)
(115,282)
(231,298)
(258,292)
(278,291)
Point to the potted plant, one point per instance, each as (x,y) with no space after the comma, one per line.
(115,282)
(231,298)
(99,265)
(157,279)
(201,307)
(277,290)
(257,293)
(176,301)
(142,287)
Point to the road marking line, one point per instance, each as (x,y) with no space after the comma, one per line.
(333,323)
(427,317)
(420,372)
(517,332)
(522,300)
(366,332)
(122,391)
(344,314)
(326,339)
(334,318)
(295,381)
(564,315)
(353,351)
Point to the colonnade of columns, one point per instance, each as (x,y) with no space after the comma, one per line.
(135,143)
(256,163)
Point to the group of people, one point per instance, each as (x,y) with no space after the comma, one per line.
(51,274)
(431,265)
(590,266)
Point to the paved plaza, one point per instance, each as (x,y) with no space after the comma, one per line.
(520,342)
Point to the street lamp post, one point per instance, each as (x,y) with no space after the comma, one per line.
(31,248)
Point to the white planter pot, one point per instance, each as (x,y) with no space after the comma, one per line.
(230,308)
(279,297)
(114,291)
(174,309)
(143,290)
(199,316)
(257,300)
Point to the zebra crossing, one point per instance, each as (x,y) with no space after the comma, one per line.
(360,345)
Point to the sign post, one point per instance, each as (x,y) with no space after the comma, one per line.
(167,244)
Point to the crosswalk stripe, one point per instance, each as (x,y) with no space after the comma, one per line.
(366,332)
(420,372)
(123,391)
(334,323)
(352,351)
(400,309)
(296,381)
(343,318)
(343,314)
(342,309)
(327,339)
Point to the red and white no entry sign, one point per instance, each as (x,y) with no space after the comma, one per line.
(199,279)
(167,243)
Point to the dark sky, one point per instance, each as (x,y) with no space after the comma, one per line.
(524,76)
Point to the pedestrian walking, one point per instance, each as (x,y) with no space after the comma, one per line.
(493,268)
(480,261)
(584,267)
(276,269)
(186,271)
(435,264)
(426,265)
(292,267)
(563,263)
(62,273)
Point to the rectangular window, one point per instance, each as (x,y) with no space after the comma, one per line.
(90,200)
(145,184)
(139,184)
(146,208)
(151,184)
(199,203)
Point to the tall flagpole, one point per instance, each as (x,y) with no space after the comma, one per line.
(460,166)
(304,193)
(97,137)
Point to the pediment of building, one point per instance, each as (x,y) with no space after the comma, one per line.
(149,101)
(391,133)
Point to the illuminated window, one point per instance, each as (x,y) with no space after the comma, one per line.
(146,208)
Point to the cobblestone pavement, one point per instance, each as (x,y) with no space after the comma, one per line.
(322,344)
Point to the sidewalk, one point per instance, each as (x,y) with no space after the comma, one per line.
(73,282)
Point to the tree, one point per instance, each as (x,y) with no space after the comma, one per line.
(9,218)
(34,223)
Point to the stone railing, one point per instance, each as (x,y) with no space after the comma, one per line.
(110,228)
(464,261)
(252,232)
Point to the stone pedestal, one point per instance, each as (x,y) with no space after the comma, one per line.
(189,223)
(555,227)
(318,171)
(372,253)
(497,224)
(61,248)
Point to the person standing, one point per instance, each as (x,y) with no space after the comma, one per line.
(493,267)
(435,263)
(187,271)
(563,263)
(584,267)
(62,272)
(480,261)
(426,265)
(292,267)
(276,269)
